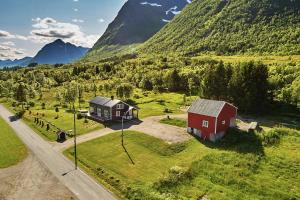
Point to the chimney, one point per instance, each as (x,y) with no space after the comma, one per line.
(112,97)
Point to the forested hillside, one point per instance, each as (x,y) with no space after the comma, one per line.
(136,22)
(232,27)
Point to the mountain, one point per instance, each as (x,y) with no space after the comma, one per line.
(231,27)
(17,62)
(59,52)
(136,22)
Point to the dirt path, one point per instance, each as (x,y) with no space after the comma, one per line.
(149,125)
(31,180)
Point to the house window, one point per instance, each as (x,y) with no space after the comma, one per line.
(223,122)
(120,106)
(99,112)
(106,114)
(205,123)
(118,113)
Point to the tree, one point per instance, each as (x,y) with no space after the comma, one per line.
(57,111)
(124,90)
(94,89)
(172,80)
(249,87)
(20,94)
(215,82)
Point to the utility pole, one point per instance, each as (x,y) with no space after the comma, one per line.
(123,127)
(74,131)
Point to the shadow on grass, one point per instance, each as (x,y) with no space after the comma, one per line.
(238,141)
(128,154)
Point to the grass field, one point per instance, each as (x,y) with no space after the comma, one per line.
(64,122)
(12,150)
(175,122)
(243,166)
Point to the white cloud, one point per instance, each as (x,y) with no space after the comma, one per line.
(101,20)
(9,43)
(75,9)
(7,35)
(48,29)
(75,0)
(77,20)
(9,52)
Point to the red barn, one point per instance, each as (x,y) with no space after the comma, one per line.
(209,119)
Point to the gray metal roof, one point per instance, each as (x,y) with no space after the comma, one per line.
(104,101)
(207,107)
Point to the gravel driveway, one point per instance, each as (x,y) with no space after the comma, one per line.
(149,125)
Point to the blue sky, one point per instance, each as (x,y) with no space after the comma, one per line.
(27,25)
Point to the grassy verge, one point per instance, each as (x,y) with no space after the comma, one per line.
(175,122)
(242,166)
(64,122)
(12,150)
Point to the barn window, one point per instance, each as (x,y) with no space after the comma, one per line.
(223,122)
(120,106)
(118,113)
(205,123)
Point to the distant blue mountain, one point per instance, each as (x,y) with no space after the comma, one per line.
(17,62)
(59,52)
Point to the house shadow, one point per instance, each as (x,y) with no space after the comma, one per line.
(126,125)
(239,141)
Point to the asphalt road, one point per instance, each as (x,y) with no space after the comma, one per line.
(84,187)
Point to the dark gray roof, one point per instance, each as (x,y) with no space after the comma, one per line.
(207,107)
(104,101)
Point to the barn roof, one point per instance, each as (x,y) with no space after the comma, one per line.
(104,101)
(207,107)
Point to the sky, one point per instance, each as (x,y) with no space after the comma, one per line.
(27,25)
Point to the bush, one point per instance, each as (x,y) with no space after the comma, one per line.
(43,106)
(20,114)
(79,116)
(31,104)
(14,104)
(175,175)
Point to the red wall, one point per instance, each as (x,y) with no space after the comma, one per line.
(195,121)
(226,114)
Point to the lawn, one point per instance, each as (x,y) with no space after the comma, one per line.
(64,122)
(152,104)
(174,121)
(242,166)
(12,150)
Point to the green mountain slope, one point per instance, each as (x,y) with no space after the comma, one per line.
(231,27)
(136,22)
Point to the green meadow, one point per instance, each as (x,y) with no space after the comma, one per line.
(12,150)
(242,166)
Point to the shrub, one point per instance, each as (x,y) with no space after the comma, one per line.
(14,104)
(43,106)
(31,104)
(79,116)
(175,175)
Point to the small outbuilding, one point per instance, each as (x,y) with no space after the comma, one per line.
(209,119)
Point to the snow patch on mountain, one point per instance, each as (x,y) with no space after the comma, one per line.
(151,4)
(173,10)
